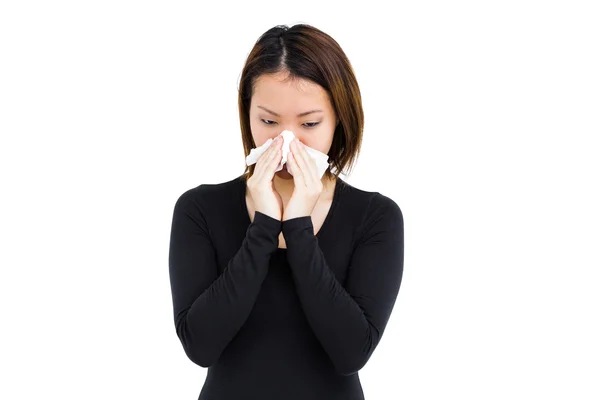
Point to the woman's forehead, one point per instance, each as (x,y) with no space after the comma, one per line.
(289,98)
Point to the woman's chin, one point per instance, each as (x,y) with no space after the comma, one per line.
(284,174)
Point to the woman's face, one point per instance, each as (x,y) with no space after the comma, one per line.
(275,106)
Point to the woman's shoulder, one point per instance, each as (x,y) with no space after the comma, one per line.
(377,210)
(206,195)
(371,203)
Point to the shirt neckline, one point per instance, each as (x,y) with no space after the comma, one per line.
(326,222)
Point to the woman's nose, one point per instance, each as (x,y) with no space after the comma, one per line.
(295,135)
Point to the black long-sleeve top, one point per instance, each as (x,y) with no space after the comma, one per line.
(283,323)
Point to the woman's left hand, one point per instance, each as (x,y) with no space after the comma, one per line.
(307,182)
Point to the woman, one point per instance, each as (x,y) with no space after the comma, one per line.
(283,282)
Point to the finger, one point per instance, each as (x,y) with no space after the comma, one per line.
(268,155)
(311,172)
(274,160)
(302,166)
(266,158)
(297,174)
(274,148)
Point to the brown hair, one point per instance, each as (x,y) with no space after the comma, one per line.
(307,53)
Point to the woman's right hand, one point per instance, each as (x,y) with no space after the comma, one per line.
(260,185)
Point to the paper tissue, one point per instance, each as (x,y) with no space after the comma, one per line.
(320,158)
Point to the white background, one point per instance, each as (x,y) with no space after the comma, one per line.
(482,121)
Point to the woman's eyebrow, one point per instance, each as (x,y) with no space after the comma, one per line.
(299,115)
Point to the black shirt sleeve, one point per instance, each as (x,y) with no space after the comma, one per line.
(209,308)
(349,320)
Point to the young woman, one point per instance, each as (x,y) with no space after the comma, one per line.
(283,282)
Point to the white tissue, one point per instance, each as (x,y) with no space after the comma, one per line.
(321,159)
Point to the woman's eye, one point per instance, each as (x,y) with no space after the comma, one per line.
(312,126)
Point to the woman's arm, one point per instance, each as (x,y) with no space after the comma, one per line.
(349,320)
(209,308)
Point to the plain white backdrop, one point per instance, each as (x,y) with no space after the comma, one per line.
(481,121)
